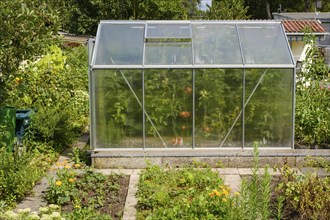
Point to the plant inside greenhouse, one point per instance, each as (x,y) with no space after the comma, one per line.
(191,84)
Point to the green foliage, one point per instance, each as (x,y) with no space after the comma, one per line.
(167,9)
(62,188)
(79,156)
(56,86)
(187,193)
(305,196)
(53,127)
(18,174)
(312,100)
(82,17)
(262,9)
(86,214)
(28,27)
(318,162)
(255,192)
(227,10)
(52,79)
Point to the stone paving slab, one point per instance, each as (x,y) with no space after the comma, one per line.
(226,171)
(131,200)
(137,171)
(245,171)
(233,181)
(309,170)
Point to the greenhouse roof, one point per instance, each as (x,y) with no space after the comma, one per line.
(191,44)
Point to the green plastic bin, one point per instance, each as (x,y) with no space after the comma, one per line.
(7,127)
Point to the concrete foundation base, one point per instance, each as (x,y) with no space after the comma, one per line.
(138,159)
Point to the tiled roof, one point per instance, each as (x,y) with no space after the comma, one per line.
(298,26)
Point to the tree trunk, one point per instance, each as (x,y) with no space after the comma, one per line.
(269,15)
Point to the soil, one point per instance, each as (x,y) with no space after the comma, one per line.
(115,199)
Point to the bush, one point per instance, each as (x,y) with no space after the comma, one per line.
(56,86)
(305,197)
(312,99)
(18,174)
(52,126)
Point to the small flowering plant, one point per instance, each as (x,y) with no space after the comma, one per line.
(220,201)
(51,212)
(62,187)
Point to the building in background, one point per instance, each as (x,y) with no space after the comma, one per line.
(295,23)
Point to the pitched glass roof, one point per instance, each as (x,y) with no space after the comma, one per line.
(186,44)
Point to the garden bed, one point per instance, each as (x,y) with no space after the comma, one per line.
(190,193)
(88,193)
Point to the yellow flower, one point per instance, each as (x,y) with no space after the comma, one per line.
(225,192)
(216,192)
(67,167)
(58,183)
(211,194)
(228,189)
(71,180)
(224,200)
(236,193)
(65,162)
(18,80)
(77,165)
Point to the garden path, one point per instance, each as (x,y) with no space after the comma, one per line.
(35,199)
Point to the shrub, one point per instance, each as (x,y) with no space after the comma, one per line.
(305,197)
(52,126)
(312,99)
(56,86)
(18,174)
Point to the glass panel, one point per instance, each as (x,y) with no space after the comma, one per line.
(120,44)
(168,103)
(218,103)
(216,44)
(268,112)
(264,44)
(168,31)
(168,53)
(118,114)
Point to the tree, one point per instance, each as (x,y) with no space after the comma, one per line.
(227,10)
(82,17)
(167,9)
(27,27)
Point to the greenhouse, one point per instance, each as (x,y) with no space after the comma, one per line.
(191,85)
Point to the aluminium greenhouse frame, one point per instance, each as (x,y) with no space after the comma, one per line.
(95,46)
